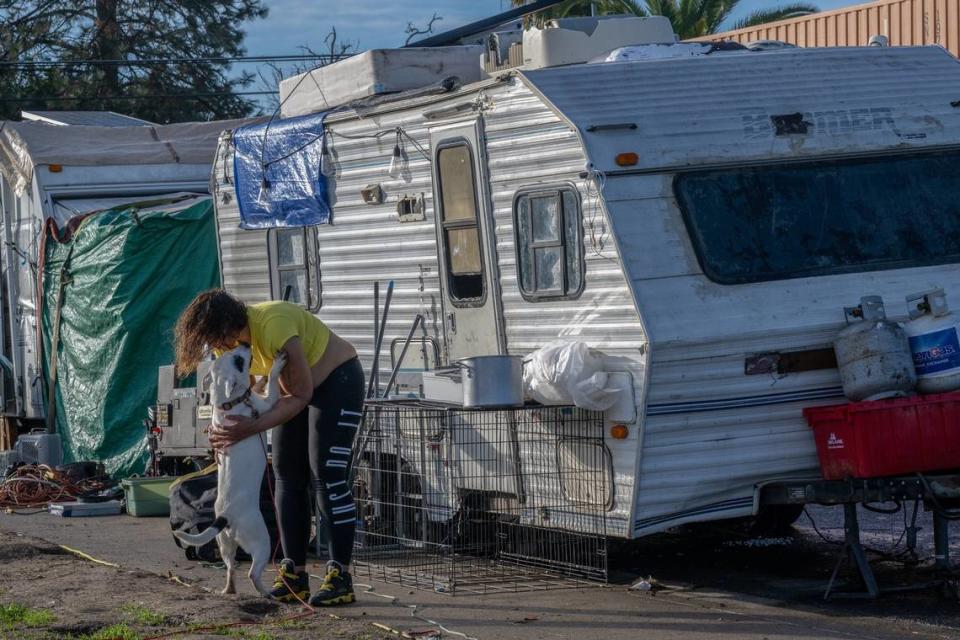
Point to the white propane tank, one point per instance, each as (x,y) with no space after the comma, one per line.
(873,354)
(932,332)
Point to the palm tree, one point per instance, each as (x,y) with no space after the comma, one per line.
(690,18)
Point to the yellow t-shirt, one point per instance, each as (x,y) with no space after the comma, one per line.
(273,323)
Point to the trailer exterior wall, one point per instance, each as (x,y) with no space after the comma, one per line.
(711,433)
(527,145)
(904,22)
(530,146)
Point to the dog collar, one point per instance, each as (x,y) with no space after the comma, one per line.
(226,406)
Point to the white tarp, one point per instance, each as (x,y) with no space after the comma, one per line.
(25,145)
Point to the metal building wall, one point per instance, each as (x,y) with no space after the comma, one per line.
(905,22)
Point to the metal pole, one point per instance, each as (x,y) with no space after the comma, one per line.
(376,333)
(941,540)
(373,390)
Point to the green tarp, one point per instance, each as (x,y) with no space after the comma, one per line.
(130,272)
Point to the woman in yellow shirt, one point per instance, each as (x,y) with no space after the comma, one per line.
(316,421)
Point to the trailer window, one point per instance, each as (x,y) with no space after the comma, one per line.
(294,269)
(549,242)
(460,230)
(792,221)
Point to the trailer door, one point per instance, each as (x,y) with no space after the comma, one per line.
(465,243)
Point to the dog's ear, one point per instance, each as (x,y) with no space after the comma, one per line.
(238,363)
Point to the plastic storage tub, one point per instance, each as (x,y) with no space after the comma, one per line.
(887,437)
(147,496)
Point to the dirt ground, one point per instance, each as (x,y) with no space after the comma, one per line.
(69,597)
(714,583)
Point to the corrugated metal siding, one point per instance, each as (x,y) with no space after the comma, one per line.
(362,244)
(716,109)
(527,145)
(904,22)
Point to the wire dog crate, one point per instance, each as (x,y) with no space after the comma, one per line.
(474,500)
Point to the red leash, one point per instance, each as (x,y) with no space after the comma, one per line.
(276,514)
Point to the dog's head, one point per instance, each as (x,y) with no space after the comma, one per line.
(229,375)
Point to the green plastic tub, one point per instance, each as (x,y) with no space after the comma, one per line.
(147,496)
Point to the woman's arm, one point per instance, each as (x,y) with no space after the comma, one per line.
(296,382)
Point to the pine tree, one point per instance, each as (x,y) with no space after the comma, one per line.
(34,33)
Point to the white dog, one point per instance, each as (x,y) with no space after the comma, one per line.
(241,466)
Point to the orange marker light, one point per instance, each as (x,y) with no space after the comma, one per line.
(619,431)
(627,159)
(55,168)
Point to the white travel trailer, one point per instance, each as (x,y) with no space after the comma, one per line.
(700,220)
(56,172)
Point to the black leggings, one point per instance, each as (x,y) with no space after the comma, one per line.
(317,445)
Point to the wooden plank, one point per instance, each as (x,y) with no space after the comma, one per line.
(953,27)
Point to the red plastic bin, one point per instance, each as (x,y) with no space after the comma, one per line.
(887,437)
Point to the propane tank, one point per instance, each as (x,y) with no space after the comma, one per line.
(873,354)
(932,332)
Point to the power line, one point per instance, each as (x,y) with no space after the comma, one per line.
(197,96)
(161,61)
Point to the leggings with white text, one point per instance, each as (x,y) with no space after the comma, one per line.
(311,459)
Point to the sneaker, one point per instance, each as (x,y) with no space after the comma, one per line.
(290,586)
(337,588)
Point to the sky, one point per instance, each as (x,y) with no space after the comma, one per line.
(372,24)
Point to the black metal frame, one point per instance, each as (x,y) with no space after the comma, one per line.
(462,500)
(940,492)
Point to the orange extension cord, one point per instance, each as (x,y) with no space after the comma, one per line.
(38,485)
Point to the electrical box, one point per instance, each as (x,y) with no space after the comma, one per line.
(182,415)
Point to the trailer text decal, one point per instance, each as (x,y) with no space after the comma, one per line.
(834,121)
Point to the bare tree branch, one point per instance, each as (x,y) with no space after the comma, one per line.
(413,31)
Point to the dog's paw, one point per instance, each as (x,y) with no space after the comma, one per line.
(279,362)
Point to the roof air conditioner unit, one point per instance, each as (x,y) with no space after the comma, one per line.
(575,40)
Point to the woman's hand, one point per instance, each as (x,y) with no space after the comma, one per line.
(234,429)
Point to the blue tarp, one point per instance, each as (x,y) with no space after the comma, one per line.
(277,172)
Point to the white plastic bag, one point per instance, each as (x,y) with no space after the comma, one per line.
(565,372)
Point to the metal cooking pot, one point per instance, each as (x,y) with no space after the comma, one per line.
(492,381)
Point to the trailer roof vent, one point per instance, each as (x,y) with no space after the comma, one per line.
(574,40)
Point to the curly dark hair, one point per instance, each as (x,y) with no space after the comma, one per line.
(213,317)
